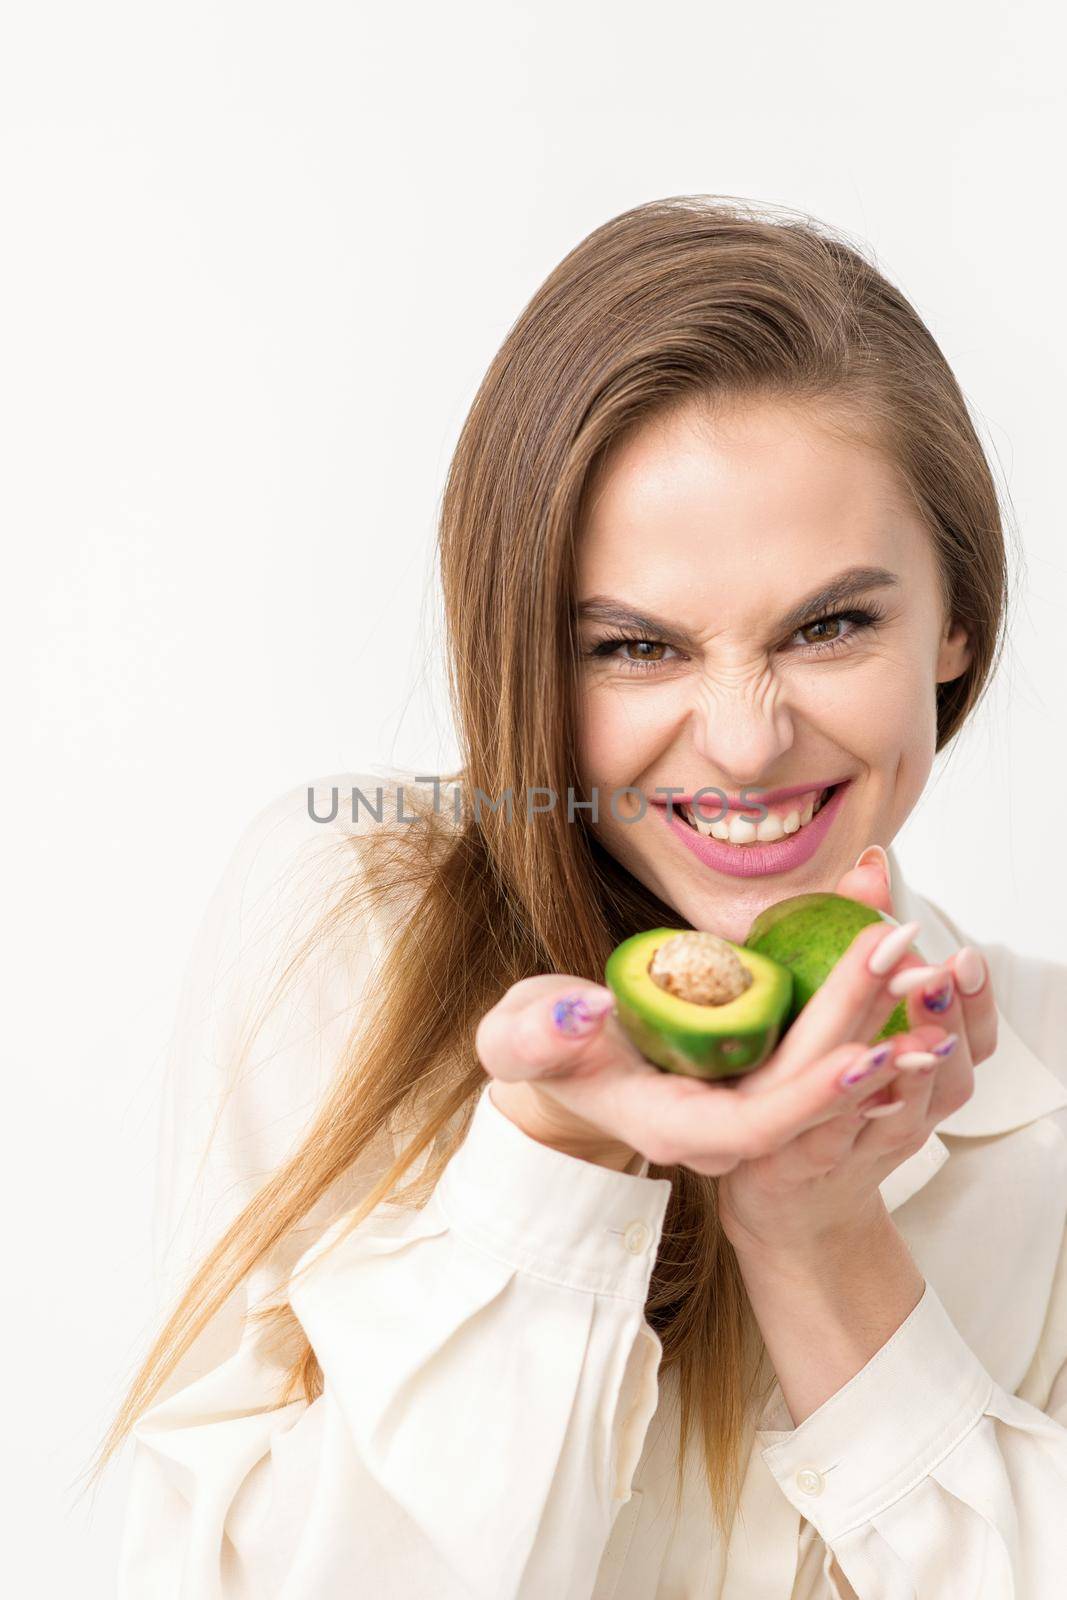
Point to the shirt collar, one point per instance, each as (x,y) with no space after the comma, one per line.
(1011,1087)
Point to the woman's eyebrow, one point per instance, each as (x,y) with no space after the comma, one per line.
(846,586)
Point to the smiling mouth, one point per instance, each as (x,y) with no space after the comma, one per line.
(782,822)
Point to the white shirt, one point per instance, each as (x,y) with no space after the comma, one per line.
(493,1424)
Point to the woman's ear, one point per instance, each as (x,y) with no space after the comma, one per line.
(954,654)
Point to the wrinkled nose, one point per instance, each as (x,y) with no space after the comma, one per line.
(743,735)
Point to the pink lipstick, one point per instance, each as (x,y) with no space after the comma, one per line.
(759,859)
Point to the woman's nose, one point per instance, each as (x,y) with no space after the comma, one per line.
(739,737)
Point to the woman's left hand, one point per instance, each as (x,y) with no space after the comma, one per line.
(823,1185)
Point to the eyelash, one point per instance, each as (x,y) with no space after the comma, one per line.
(860,618)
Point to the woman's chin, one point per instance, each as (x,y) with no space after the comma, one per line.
(731,911)
(731,916)
(734,903)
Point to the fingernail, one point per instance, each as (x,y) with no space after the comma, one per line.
(870,1062)
(873,856)
(939,999)
(917,1061)
(577,1015)
(970,970)
(902,983)
(884,956)
(946,1047)
(889,1109)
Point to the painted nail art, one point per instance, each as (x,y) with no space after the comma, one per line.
(884,957)
(947,1045)
(874,1058)
(939,999)
(576,1016)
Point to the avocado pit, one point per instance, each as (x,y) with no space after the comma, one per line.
(699,967)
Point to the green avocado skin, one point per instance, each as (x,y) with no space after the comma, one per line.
(707,1057)
(809,933)
(696,1040)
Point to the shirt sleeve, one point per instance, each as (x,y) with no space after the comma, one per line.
(926,1479)
(489,1375)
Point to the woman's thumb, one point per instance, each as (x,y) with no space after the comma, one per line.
(868,880)
(577,1015)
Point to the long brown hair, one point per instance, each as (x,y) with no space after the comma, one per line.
(690,299)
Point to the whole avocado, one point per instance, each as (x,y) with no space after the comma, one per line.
(808,934)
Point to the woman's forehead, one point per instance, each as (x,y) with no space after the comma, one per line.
(773,465)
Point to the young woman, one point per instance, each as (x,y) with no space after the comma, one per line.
(467,1299)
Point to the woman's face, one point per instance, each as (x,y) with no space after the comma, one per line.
(718,533)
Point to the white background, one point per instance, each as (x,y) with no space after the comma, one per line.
(255,261)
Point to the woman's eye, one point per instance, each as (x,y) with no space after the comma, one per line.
(835,639)
(650,652)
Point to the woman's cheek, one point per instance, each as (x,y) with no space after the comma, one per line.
(883,711)
(618,739)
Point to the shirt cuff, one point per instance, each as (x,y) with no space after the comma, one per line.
(886,1429)
(561,1218)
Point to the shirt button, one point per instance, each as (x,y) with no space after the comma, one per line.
(637,1237)
(809,1481)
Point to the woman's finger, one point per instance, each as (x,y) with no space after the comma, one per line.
(902,1134)
(973,985)
(900,1103)
(816,1152)
(746,1123)
(919,1056)
(547,1025)
(868,881)
(851,1003)
(932,995)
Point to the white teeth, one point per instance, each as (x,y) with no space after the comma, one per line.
(736,829)
(701,824)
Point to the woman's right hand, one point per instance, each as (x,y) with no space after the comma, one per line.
(546,1029)
(578,1083)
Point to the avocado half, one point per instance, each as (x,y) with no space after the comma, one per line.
(808,934)
(704,1039)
